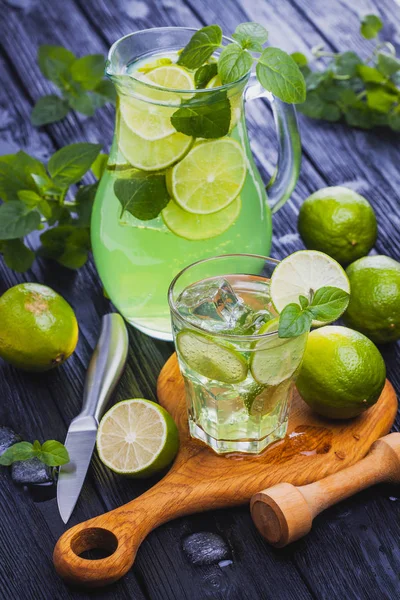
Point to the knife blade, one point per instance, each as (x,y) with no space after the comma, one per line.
(104,371)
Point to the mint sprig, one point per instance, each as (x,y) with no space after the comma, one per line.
(36,197)
(200,47)
(326,304)
(80,81)
(365,93)
(51,453)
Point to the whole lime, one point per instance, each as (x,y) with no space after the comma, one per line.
(343,372)
(339,222)
(374,307)
(39,329)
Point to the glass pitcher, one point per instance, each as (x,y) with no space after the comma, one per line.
(180,184)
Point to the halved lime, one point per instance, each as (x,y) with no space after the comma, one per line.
(148,117)
(303,273)
(206,357)
(210,177)
(200,227)
(275,359)
(152,156)
(137,438)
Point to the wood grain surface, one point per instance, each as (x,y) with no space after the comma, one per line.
(353,551)
(200,480)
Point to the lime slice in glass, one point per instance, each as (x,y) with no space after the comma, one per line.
(200,227)
(137,438)
(303,273)
(263,399)
(148,117)
(275,359)
(210,177)
(152,156)
(214,361)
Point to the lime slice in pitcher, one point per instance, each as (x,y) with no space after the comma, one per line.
(152,156)
(148,118)
(275,359)
(200,227)
(209,178)
(214,361)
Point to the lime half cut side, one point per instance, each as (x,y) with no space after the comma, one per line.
(200,227)
(210,177)
(152,155)
(275,359)
(303,273)
(214,361)
(137,438)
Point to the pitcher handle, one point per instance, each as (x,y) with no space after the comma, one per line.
(284,179)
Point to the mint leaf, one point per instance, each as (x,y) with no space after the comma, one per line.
(16,220)
(370,74)
(234,63)
(204,74)
(279,74)
(83,103)
(104,92)
(370,26)
(394,121)
(49,109)
(200,47)
(299,58)
(318,108)
(293,321)
(380,98)
(36,446)
(304,302)
(144,195)
(13,178)
(68,165)
(388,65)
(66,244)
(16,255)
(19,451)
(251,36)
(346,64)
(99,165)
(328,304)
(88,70)
(29,198)
(84,199)
(53,453)
(211,120)
(54,60)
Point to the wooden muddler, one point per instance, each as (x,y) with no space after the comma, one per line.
(284,513)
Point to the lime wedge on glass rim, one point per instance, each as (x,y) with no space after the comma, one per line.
(137,438)
(209,177)
(200,227)
(220,362)
(303,273)
(148,117)
(274,359)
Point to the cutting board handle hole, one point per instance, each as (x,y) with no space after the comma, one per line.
(94,543)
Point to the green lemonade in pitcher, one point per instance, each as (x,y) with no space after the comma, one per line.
(168,198)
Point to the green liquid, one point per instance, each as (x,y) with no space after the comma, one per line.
(137,260)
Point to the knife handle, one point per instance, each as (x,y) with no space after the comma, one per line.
(106,365)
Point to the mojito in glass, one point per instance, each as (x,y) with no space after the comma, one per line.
(239,375)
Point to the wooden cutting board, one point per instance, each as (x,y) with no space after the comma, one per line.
(201,480)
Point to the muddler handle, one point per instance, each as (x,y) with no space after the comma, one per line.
(284,513)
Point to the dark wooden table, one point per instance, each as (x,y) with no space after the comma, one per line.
(352,552)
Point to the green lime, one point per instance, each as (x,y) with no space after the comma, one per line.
(374,307)
(274,359)
(200,227)
(210,176)
(263,399)
(38,330)
(338,221)
(214,361)
(147,117)
(343,373)
(152,155)
(137,438)
(303,273)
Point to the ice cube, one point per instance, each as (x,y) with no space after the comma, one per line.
(31,471)
(212,305)
(8,438)
(206,548)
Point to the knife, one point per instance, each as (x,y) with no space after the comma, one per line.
(104,371)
